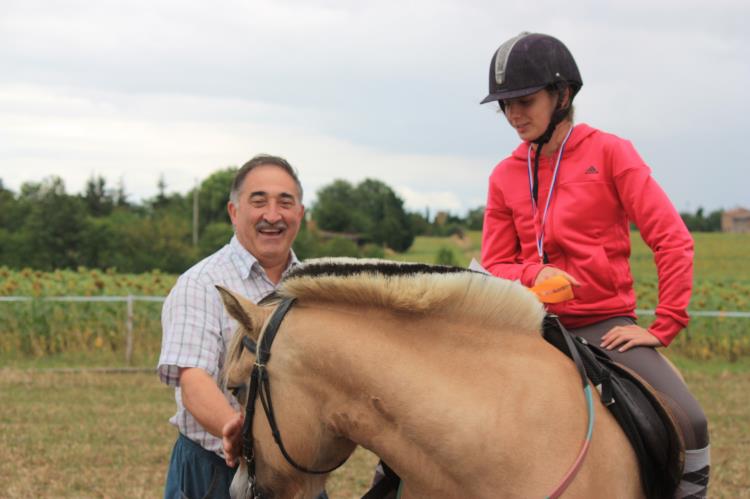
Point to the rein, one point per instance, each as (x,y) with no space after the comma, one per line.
(260,387)
(554,321)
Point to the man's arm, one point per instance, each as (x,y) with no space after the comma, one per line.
(205,401)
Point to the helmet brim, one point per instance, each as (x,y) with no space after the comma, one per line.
(511,94)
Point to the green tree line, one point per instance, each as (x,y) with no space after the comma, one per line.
(44,227)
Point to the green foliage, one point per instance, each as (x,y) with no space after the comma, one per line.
(336,209)
(701,223)
(310,244)
(419,224)
(371,209)
(372,251)
(475,219)
(53,229)
(214,196)
(98,199)
(445,256)
(214,236)
(338,246)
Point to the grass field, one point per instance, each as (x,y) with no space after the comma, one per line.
(105,436)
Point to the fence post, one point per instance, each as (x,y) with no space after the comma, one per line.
(129,331)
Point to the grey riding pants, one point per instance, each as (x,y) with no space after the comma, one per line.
(654,368)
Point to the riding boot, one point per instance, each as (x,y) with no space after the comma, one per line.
(694,482)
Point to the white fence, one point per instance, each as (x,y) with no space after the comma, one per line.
(130,300)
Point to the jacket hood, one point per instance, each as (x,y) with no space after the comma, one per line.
(580,132)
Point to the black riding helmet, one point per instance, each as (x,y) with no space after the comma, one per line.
(528,63)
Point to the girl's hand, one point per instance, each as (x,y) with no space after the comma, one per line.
(550,271)
(627,337)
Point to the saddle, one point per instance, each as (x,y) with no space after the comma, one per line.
(637,407)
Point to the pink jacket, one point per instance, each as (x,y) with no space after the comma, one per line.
(602,185)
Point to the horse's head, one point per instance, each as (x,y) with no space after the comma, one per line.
(295,406)
(250,319)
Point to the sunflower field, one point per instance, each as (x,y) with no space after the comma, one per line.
(94,333)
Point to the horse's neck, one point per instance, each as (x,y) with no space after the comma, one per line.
(386,380)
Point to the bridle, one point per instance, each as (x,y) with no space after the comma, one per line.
(260,387)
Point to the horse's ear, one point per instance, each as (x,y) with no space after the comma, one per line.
(246,313)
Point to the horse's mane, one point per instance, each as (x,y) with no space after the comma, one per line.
(415,288)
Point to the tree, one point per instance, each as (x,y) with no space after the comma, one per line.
(214,236)
(97,197)
(475,218)
(213,196)
(445,256)
(701,223)
(120,197)
(371,208)
(161,199)
(7,206)
(52,232)
(337,210)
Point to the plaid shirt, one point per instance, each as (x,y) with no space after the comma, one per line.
(197,329)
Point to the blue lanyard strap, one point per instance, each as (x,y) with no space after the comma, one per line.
(540,234)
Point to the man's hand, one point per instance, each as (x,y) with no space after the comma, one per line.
(231,437)
(627,337)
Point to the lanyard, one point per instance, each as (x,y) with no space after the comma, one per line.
(540,234)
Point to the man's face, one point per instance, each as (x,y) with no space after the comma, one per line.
(268,214)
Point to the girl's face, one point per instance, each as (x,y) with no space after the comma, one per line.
(530,115)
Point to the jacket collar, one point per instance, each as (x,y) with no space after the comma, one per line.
(580,132)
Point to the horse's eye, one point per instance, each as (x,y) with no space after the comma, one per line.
(238,392)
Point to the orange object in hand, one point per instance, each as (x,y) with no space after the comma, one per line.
(556,289)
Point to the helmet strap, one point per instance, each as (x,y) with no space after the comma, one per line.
(558,115)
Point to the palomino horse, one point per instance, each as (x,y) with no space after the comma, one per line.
(441,373)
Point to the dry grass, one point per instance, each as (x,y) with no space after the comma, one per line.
(106,435)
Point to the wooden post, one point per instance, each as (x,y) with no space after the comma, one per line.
(129,331)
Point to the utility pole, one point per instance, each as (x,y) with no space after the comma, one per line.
(195,213)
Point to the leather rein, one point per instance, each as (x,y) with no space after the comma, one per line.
(260,387)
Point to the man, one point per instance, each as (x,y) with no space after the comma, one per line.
(266,209)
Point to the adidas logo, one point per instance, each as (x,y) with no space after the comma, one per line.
(591,170)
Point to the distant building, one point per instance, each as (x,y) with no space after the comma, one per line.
(736,220)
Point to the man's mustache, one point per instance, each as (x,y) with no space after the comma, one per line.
(265,225)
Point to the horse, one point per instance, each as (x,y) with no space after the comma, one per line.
(439,371)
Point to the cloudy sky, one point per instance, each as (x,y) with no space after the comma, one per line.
(131,90)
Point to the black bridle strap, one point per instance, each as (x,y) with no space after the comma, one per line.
(262,355)
(265,399)
(249,344)
(260,385)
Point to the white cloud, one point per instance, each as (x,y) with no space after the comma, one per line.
(356,89)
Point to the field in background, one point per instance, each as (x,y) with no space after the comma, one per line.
(94,435)
(93,334)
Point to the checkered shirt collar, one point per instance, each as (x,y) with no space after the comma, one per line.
(246,261)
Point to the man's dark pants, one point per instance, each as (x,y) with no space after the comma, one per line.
(195,473)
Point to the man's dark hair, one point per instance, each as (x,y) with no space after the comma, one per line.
(262,160)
